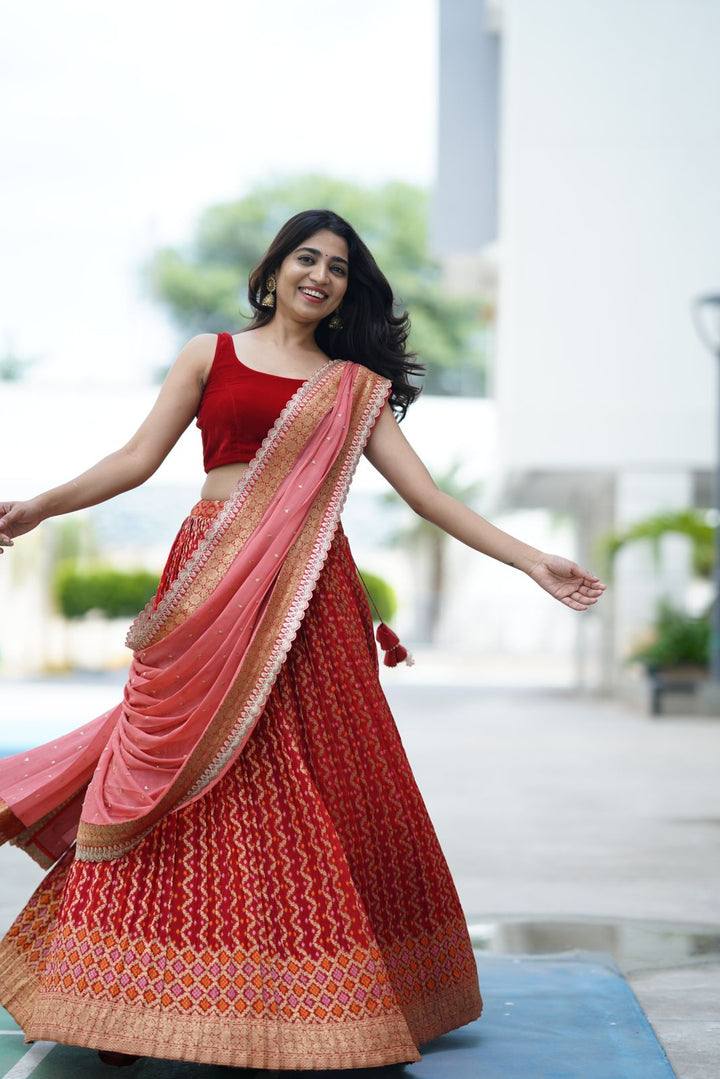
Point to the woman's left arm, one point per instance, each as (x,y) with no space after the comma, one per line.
(392,455)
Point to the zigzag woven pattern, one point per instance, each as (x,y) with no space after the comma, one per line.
(300,914)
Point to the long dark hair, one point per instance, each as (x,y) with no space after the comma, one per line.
(372,333)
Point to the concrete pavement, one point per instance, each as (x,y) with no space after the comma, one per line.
(567,822)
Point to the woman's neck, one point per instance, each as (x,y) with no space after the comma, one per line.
(287,335)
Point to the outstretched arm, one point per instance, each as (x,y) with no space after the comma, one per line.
(134,462)
(393,456)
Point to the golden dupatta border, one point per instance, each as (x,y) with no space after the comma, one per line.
(278,451)
(231,725)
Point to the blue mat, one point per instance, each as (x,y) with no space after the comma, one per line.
(550,1017)
(546,1017)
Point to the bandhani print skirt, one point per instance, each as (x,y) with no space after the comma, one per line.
(300,915)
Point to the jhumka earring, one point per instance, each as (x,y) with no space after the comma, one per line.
(336,322)
(269,299)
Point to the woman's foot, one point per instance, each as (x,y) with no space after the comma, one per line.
(116,1060)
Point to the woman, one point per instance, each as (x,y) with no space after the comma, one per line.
(244,871)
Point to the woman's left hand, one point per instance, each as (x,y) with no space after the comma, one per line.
(566,581)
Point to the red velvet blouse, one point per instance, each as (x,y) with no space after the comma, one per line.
(238,407)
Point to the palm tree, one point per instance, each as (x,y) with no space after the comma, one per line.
(697,525)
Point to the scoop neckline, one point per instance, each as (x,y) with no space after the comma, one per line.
(267,374)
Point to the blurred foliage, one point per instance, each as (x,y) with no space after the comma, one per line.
(13,368)
(114,593)
(695,524)
(204,286)
(71,539)
(434,544)
(677,639)
(450,483)
(380,594)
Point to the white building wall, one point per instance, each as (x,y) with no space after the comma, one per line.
(610,225)
(609,228)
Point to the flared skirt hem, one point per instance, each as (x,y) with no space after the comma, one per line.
(245,1042)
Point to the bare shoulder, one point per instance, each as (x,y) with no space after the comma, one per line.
(195,358)
(199,348)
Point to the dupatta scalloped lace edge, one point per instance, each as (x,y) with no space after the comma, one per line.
(293,617)
(150,621)
(296,610)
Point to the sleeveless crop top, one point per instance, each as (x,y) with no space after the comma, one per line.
(239,406)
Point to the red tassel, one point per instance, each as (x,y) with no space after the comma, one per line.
(386,637)
(395,655)
(390,643)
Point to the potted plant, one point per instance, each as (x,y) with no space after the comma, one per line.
(677,654)
(679,642)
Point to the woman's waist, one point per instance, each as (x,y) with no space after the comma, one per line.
(220,482)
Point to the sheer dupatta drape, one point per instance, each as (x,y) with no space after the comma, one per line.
(206,658)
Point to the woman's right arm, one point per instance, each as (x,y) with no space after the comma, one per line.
(134,462)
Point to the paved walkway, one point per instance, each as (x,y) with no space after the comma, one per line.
(567,822)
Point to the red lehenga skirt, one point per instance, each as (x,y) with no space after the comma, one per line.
(300,915)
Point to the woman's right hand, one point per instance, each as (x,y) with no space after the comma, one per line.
(17,518)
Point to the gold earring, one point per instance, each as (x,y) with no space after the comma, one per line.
(336,322)
(270,285)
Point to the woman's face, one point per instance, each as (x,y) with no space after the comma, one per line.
(312,279)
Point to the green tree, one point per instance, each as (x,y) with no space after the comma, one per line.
(204,285)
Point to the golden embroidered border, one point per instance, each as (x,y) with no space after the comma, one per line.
(13,831)
(25,841)
(244,1042)
(10,825)
(309,550)
(256,1043)
(289,600)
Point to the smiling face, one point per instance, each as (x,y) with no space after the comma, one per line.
(312,279)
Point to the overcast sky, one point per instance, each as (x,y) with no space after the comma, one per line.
(120,122)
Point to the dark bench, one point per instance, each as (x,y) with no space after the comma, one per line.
(671,681)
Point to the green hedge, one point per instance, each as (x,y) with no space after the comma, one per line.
(382,593)
(114,593)
(118,594)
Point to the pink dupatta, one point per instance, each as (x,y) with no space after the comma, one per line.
(206,659)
